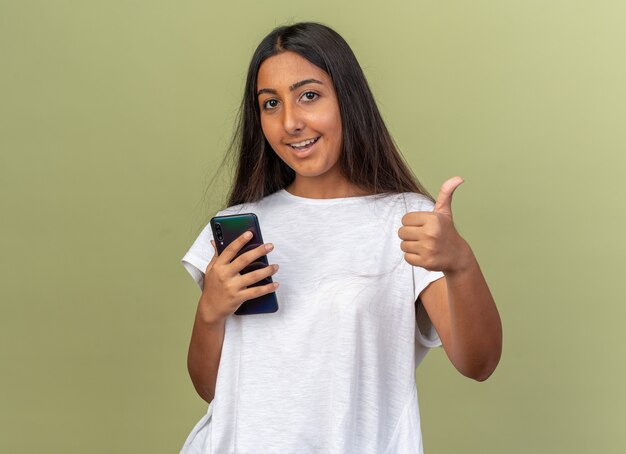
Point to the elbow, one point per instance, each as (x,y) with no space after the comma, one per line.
(481,370)
(483,375)
(205,393)
(480,373)
(208,398)
(486,366)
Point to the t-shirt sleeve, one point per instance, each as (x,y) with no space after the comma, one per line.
(425,332)
(199,255)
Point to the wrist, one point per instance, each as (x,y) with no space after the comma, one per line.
(464,261)
(207,314)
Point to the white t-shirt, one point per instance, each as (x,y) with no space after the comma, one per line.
(333,370)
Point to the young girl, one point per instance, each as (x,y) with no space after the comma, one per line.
(372,271)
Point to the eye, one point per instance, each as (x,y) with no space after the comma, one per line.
(270,104)
(309,96)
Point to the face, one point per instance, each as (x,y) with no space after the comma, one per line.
(300,117)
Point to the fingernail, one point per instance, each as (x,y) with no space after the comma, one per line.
(247,235)
(275,267)
(269,247)
(276,284)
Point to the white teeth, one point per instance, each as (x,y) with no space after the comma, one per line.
(304,143)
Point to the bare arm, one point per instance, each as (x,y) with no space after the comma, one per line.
(205,350)
(223,292)
(465,316)
(460,305)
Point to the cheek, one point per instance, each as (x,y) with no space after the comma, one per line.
(331,126)
(337,132)
(273,136)
(269,131)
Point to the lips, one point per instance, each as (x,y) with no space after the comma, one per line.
(304,144)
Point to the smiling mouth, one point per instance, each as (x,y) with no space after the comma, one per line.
(304,145)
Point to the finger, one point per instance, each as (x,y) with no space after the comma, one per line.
(251,256)
(444,199)
(423,261)
(412,247)
(410,233)
(413,259)
(255,292)
(415,218)
(254,277)
(233,248)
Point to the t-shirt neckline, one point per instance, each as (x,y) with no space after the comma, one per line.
(295,198)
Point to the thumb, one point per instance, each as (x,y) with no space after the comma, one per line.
(214,258)
(444,199)
(212,261)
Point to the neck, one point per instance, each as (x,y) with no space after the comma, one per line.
(324,188)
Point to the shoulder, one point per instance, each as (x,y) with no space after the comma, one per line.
(263,204)
(409,201)
(257,207)
(419,202)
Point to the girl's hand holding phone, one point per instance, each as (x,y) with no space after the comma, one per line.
(225,289)
(430,240)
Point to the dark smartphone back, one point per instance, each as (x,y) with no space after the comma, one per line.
(228,228)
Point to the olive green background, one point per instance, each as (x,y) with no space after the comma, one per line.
(114,116)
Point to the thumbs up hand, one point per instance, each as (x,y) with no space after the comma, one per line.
(430,240)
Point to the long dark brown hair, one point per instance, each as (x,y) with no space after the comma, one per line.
(369,158)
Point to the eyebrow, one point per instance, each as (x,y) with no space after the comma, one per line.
(291,87)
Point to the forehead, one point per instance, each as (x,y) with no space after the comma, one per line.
(287,68)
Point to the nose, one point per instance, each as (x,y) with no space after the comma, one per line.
(293,121)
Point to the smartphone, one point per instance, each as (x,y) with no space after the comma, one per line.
(228,228)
